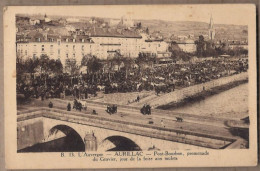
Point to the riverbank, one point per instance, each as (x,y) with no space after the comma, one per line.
(202,95)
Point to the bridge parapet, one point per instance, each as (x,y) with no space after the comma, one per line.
(121,126)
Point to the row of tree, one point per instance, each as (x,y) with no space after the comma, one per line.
(90,63)
(43,64)
(209,48)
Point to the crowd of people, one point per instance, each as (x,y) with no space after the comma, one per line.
(159,78)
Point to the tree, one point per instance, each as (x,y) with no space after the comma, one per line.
(210,49)
(85,59)
(177,53)
(144,59)
(55,66)
(201,46)
(72,67)
(128,63)
(94,65)
(30,65)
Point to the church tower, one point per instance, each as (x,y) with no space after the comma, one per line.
(211,29)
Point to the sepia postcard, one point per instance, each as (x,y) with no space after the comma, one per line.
(130,86)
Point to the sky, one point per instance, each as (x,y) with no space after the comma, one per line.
(222,14)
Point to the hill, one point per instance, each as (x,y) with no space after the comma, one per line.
(223,31)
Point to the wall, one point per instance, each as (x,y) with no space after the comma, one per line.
(178,95)
(29,132)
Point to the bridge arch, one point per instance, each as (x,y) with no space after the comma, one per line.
(64,138)
(119,143)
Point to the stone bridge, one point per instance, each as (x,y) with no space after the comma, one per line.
(94,133)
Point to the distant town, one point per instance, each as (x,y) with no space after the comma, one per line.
(70,39)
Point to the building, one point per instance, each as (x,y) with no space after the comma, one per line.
(211,29)
(72,20)
(187,45)
(153,45)
(114,22)
(46,19)
(109,41)
(126,21)
(34,21)
(104,43)
(235,45)
(56,47)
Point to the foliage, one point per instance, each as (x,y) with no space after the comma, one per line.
(145,58)
(94,65)
(33,65)
(177,53)
(139,25)
(71,66)
(208,48)
(201,46)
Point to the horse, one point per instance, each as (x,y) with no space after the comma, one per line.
(179,119)
(146,110)
(77,105)
(111,109)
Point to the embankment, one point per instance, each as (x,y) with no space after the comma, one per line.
(198,92)
(202,95)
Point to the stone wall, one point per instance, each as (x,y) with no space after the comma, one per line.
(179,95)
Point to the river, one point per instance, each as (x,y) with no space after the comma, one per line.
(232,103)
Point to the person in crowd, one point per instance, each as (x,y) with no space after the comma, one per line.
(179,75)
(69,107)
(50,105)
(138,98)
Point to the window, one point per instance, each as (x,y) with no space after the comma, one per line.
(82,47)
(59,51)
(67,55)
(67,45)
(34,56)
(42,47)
(82,40)
(74,55)
(67,40)
(58,42)
(73,47)
(74,40)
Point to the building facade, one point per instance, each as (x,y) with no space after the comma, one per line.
(56,47)
(187,45)
(102,45)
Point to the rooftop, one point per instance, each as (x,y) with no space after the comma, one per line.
(107,32)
